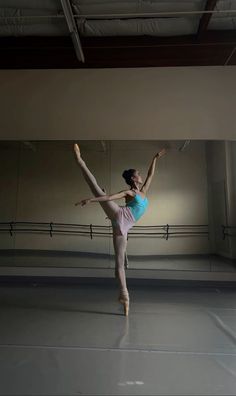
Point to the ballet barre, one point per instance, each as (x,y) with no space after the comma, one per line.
(165,231)
(228,231)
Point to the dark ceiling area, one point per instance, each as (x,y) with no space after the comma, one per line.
(73,36)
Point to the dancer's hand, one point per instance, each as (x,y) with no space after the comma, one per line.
(83,202)
(161,153)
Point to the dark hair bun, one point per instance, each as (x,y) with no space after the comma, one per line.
(127,174)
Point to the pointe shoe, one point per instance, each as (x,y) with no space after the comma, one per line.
(124,299)
(77,150)
(126,307)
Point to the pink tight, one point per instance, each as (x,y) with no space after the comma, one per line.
(119,241)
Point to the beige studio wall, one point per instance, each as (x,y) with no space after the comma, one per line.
(140,103)
(46,181)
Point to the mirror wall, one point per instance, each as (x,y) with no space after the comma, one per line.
(189,225)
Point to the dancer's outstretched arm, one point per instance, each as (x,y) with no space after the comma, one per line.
(151,171)
(111,197)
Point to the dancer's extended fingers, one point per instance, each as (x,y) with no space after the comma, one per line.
(83,202)
(79,203)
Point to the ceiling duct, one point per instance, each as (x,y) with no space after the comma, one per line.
(74,33)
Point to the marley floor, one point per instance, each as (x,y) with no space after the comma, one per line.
(74,340)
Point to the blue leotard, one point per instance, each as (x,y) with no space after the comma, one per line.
(138,206)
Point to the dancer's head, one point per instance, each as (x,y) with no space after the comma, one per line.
(132,177)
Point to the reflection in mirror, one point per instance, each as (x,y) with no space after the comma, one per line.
(182,205)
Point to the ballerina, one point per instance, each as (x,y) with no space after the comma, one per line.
(122,217)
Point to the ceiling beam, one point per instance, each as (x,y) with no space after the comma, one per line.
(205,19)
(72,26)
(215,48)
(109,42)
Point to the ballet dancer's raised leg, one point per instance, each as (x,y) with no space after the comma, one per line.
(110,207)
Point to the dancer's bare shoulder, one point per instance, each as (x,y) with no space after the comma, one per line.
(129,195)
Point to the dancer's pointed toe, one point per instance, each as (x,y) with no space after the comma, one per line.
(124,300)
(77,150)
(125,306)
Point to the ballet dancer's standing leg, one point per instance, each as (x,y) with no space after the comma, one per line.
(126,258)
(120,244)
(119,241)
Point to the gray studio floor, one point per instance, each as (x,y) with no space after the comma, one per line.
(74,340)
(67,259)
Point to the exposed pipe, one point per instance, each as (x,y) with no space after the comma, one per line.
(121,16)
(74,33)
(152,14)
